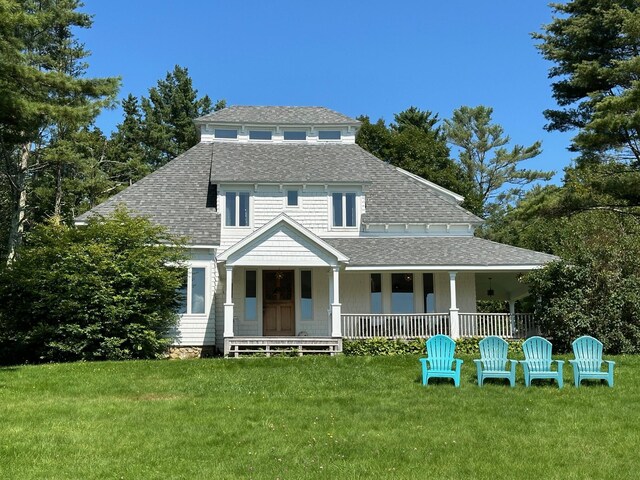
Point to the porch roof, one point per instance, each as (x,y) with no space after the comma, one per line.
(464,253)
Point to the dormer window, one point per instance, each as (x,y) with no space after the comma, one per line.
(227,133)
(344,209)
(260,134)
(237,209)
(329,135)
(295,135)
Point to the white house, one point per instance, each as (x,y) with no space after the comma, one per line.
(298,237)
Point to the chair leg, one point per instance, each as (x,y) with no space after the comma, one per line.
(610,379)
(576,377)
(512,381)
(560,381)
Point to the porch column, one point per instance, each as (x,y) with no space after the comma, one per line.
(512,315)
(336,306)
(453,308)
(228,305)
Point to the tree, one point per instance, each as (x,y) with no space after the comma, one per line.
(104,291)
(594,46)
(43,90)
(487,162)
(168,117)
(414,143)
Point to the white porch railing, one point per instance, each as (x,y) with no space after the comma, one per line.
(410,325)
(517,325)
(422,325)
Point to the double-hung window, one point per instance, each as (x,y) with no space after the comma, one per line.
(237,209)
(344,209)
(193,292)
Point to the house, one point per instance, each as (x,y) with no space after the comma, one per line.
(298,237)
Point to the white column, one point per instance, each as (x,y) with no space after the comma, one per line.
(228,305)
(336,306)
(453,308)
(512,315)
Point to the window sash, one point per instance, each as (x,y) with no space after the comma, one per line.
(345,210)
(237,209)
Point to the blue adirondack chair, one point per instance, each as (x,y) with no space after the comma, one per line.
(537,361)
(440,362)
(588,362)
(493,361)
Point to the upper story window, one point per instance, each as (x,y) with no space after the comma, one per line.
(292,198)
(260,134)
(295,135)
(329,135)
(344,209)
(226,133)
(237,209)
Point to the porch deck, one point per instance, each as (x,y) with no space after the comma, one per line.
(269,346)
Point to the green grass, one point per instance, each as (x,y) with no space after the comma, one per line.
(292,418)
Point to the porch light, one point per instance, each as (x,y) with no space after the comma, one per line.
(408,277)
(279,275)
(490,292)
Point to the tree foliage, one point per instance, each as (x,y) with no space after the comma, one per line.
(104,291)
(487,161)
(416,143)
(595,47)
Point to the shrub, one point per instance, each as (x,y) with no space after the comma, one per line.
(103,291)
(384,346)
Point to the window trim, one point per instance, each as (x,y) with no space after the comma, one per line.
(343,196)
(236,220)
(207,287)
(339,139)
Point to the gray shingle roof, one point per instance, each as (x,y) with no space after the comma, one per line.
(264,162)
(174,196)
(277,116)
(435,251)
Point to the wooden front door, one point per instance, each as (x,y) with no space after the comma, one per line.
(278,308)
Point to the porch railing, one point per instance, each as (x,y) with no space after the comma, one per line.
(517,325)
(422,325)
(410,325)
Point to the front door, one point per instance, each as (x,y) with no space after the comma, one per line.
(278,308)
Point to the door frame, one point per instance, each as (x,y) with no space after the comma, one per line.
(293,301)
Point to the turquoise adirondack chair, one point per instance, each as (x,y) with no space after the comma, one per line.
(440,362)
(588,362)
(493,361)
(537,362)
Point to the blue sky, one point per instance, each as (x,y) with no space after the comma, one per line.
(357,57)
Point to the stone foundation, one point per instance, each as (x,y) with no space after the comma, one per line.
(181,353)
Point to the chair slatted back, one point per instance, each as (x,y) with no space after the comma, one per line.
(440,349)
(537,351)
(493,353)
(588,353)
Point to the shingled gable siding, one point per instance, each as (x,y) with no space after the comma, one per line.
(268,201)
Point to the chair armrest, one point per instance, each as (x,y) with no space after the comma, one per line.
(560,363)
(609,362)
(477,361)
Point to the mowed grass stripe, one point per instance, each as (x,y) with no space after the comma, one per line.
(315,417)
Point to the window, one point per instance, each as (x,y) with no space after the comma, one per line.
(306,300)
(376,293)
(329,135)
(260,134)
(401,293)
(292,198)
(295,135)
(250,301)
(429,295)
(237,209)
(344,209)
(193,291)
(226,133)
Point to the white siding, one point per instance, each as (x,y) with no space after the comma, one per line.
(465,290)
(199,330)
(355,292)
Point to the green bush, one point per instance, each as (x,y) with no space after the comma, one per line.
(103,291)
(384,346)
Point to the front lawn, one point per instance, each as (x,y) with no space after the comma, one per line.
(315,417)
